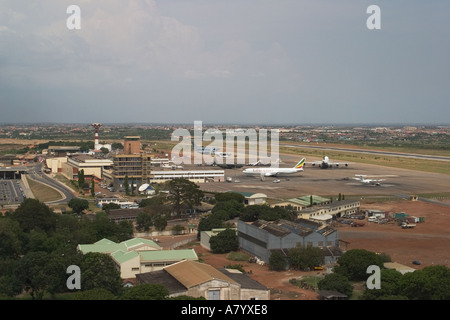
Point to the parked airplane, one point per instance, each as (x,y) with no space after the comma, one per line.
(205,150)
(274,172)
(368,181)
(260,163)
(325,163)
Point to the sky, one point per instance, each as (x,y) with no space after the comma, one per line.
(268,62)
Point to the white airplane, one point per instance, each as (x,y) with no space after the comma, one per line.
(205,150)
(260,163)
(325,163)
(368,181)
(223,154)
(274,172)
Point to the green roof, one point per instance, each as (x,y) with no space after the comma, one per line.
(298,201)
(168,255)
(121,256)
(316,199)
(108,246)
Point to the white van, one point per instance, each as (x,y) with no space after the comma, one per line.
(372,219)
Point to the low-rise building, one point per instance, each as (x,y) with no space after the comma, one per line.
(197,176)
(335,210)
(138,255)
(92,166)
(251,198)
(197,279)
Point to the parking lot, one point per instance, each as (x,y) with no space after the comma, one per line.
(11,192)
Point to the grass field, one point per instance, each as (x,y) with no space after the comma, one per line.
(43,192)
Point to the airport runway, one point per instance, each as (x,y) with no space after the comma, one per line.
(313,180)
(384,153)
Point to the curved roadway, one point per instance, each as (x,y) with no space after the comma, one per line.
(37,174)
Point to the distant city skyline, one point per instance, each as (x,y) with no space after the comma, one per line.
(302,62)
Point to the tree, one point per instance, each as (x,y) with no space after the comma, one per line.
(117,146)
(144,221)
(126,185)
(103,227)
(92,188)
(95,294)
(277,261)
(353,263)
(209,222)
(178,229)
(146,291)
(81,178)
(305,257)
(264,212)
(98,270)
(38,272)
(10,238)
(389,286)
(160,222)
(430,283)
(232,208)
(224,241)
(336,282)
(184,193)
(229,196)
(78,205)
(35,214)
(110,206)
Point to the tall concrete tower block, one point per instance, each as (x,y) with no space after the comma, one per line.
(132,145)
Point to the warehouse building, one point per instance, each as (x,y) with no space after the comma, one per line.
(260,238)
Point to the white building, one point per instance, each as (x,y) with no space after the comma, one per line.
(197,176)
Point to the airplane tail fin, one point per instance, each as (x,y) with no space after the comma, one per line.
(301,164)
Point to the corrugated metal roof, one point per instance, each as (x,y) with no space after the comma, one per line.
(191,273)
(108,246)
(168,255)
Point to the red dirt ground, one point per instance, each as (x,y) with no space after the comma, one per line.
(428,242)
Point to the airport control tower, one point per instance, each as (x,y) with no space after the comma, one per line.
(96,143)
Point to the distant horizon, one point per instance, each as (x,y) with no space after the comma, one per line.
(233,124)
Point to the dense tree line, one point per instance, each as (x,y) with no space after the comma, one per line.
(429,283)
(37,246)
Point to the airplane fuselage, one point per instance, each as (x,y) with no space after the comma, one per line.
(270,171)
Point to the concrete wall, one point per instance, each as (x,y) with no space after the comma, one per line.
(228,291)
(258,242)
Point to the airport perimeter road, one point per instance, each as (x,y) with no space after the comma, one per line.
(384,153)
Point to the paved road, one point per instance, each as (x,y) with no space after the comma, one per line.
(36,174)
(385,153)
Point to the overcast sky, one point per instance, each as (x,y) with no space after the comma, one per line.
(233,61)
